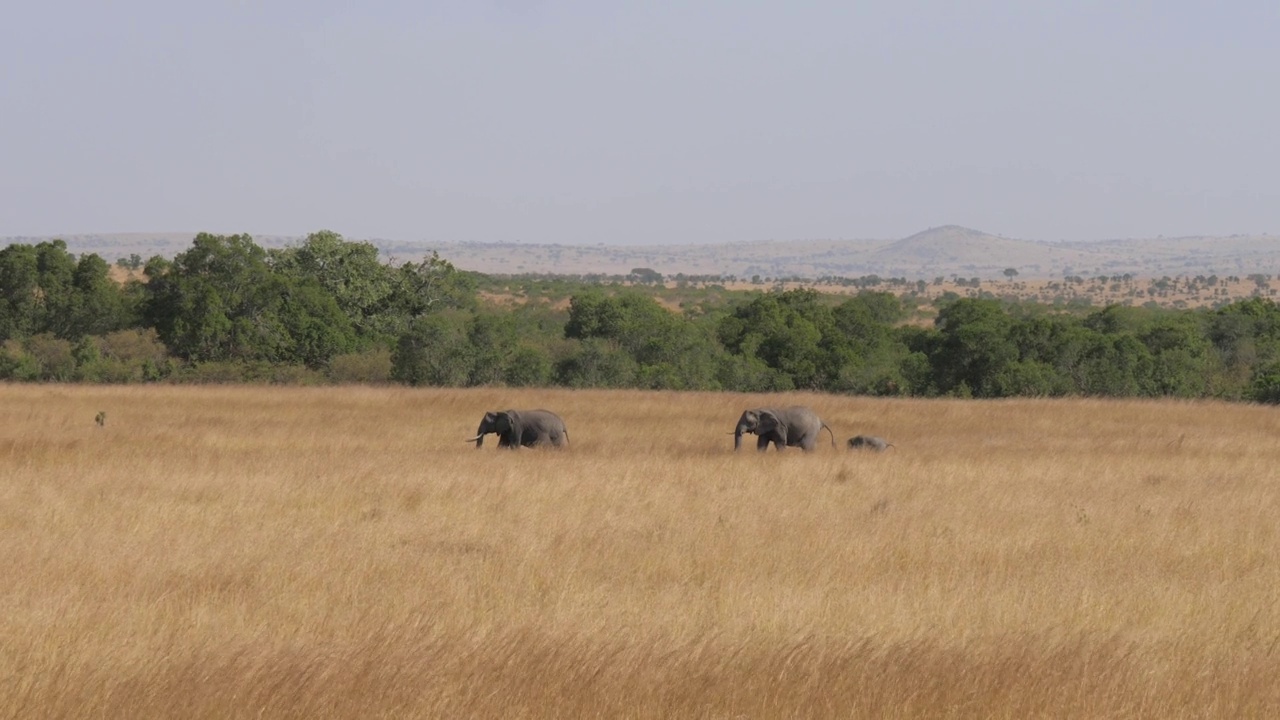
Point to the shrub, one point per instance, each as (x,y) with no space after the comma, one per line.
(133,346)
(371,366)
(596,364)
(288,375)
(528,367)
(1266,385)
(212,373)
(436,350)
(17,364)
(53,356)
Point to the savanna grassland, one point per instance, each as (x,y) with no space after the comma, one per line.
(222,552)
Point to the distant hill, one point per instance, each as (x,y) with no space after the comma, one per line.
(955,249)
(941,251)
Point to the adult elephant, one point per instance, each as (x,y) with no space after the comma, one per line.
(795,426)
(529,428)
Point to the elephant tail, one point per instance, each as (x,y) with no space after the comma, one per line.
(833,435)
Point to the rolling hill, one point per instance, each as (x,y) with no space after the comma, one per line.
(941,251)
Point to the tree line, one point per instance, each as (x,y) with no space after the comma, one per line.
(330,310)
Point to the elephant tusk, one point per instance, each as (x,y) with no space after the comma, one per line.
(473,439)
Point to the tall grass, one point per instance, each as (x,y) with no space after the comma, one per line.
(224,552)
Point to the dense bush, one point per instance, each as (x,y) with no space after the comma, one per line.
(330,311)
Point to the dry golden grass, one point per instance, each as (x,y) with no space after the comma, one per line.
(320,553)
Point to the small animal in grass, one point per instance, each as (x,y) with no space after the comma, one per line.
(869,442)
(101,418)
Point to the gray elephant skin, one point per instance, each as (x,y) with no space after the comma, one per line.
(869,442)
(795,426)
(527,428)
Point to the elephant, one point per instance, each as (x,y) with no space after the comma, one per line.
(869,442)
(784,427)
(529,428)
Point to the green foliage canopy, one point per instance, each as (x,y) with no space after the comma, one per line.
(287,314)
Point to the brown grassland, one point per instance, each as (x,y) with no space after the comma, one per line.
(224,552)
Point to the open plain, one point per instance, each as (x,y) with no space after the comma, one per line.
(223,552)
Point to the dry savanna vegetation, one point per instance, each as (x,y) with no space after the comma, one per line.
(1180,292)
(222,552)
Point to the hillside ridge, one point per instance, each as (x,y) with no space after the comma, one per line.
(947,250)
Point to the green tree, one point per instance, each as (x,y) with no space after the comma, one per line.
(432,285)
(1117,319)
(1182,363)
(97,304)
(974,348)
(594,315)
(56,271)
(221,301)
(315,329)
(1117,366)
(212,302)
(528,366)
(22,310)
(493,341)
(784,330)
(666,350)
(1026,378)
(1056,346)
(598,363)
(1265,384)
(43,289)
(350,272)
(882,307)
(436,350)
(865,355)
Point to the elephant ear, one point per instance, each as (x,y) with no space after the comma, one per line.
(768,421)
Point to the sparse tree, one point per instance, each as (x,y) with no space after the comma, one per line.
(647,276)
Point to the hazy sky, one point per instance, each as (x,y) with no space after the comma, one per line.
(641,122)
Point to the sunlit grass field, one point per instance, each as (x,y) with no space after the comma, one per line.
(223,552)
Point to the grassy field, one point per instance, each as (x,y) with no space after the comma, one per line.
(322,553)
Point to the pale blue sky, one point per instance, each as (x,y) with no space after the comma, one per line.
(640,122)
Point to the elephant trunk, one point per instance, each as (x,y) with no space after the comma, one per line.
(479,438)
(737,436)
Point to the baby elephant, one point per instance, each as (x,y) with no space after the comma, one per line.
(869,442)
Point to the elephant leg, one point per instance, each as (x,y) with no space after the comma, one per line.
(762,443)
